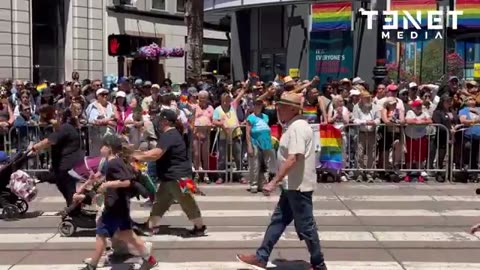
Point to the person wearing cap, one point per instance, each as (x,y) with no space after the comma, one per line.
(392,91)
(416,139)
(122,111)
(101,115)
(297,175)
(66,149)
(151,96)
(354,97)
(413,92)
(173,165)
(366,118)
(470,116)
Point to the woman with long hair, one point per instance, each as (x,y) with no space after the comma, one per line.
(65,144)
(173,168)
(6,116)
(122,110)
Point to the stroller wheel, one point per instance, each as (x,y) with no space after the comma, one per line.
(22,206)
(67,228)
(10,211)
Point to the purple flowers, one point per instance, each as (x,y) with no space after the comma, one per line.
(154,51)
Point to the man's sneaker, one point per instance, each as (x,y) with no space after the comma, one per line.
(253,189)
(319,267)
(197,232)
(89,267)
(148,264)
(252,261)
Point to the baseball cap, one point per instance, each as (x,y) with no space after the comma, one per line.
(392,87)
(451,78)
(147,83)
(138,82)
(357,80)
(354,92)
(472,83)
(120,94)
(123,79)
(168,115)
(416,103)
(101,91)
(156,86)
(403,91)
(412,85)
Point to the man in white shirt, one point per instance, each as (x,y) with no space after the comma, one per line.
(297,174)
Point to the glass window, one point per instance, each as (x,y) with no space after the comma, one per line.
(181,5)
(469,51)
(158,4)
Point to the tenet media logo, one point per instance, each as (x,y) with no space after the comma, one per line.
(412,26)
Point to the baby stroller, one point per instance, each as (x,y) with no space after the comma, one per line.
(78,216)
(14,200)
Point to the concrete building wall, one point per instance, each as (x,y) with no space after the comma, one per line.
(172,32)
(88,38)
(15,39)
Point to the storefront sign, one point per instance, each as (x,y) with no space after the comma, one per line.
(331,55)
(476,70)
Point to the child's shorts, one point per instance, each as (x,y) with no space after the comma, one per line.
(109,225)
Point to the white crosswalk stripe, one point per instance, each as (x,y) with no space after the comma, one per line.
(335,265)
(433,218)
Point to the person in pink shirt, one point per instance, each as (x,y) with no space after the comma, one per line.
(203,116)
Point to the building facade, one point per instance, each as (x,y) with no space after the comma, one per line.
(50,39)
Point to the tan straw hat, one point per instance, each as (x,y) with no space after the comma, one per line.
(291,99)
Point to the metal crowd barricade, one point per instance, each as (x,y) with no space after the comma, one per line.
(465,149)
(19,138)
(404,150)
(208,159)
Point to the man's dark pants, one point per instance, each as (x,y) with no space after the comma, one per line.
(297,206)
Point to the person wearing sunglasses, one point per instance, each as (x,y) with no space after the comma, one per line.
(26,100)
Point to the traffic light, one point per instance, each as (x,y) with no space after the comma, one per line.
(119,45)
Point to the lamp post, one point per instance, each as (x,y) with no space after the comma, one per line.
(380,70)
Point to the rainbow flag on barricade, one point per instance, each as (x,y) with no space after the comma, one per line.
(331,148)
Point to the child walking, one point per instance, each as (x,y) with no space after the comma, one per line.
(115,218)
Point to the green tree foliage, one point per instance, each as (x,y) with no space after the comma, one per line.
(432,62)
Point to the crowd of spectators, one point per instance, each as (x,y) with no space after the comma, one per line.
(229,125)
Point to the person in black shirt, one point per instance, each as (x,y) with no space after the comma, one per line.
(173,167)
(65,144)
(115,218)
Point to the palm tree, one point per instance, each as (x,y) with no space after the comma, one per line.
(194,22)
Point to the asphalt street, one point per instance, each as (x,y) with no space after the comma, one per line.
(362,227)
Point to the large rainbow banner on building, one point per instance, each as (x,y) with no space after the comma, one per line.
(412,6)
(331,148)
(331,16)
(471,13)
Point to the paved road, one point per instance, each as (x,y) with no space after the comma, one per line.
(363,227)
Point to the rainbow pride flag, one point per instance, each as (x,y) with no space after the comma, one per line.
(471,13)
(310,113)
(331,16)
(412,6)
(331,148)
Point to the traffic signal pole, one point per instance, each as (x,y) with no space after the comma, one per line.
(121,66)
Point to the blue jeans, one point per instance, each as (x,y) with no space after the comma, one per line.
(297,206)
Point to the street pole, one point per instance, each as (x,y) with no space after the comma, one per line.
(121,66)
(380,70)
